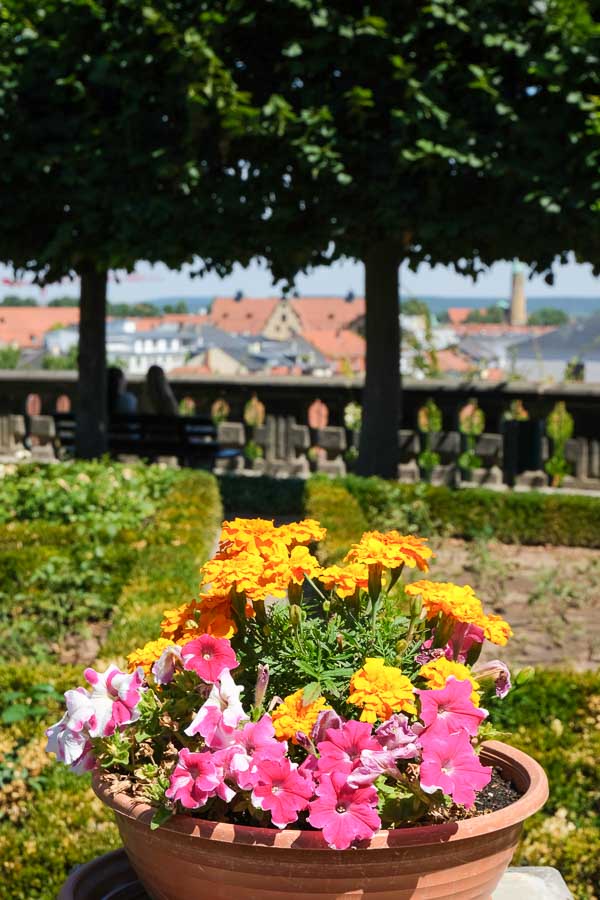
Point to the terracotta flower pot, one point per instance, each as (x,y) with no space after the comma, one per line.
(191,857)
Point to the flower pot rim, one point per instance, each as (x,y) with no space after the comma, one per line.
(522,768)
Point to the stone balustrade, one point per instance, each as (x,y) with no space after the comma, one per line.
(304,426)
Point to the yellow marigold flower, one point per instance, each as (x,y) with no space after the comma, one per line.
(307,531)
(147,655)
(380,691)
(292,715)
(345,579)
(454,600)
(391,550)
(439,670)
(496,629)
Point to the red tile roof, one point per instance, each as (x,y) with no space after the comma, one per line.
(25,326)
(459,314)
(339,346)
(246,316)
(326,313)
(449,361)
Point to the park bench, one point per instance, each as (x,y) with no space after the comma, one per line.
(191,439)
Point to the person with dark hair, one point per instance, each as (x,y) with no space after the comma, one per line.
(157,395)
(120,401)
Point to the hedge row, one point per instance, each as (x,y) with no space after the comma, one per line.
(50,820)
(526,518)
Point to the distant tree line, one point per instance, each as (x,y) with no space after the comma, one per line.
(120,310)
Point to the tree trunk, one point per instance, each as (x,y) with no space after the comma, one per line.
(378,454)
(91,438)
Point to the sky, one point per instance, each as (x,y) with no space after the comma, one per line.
(157,281)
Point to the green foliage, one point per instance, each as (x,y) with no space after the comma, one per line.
(555,719)
(414,307)
(66,362)
(471,423)
(132,310)
(548,315)
(105,497)
(429,419)
(386,508)
(50,820)
(62,302)
(492,315)
(180,539)
(526,518)
(338,511)
(559,427)
(9,357)
(14,300)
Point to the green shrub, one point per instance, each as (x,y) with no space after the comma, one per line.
(556,719)
(105,496)
(50,819)
(182,537)
(338,511)
(526,518)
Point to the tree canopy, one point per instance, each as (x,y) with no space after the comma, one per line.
(300,131)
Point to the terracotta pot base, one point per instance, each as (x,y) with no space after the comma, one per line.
(191,858)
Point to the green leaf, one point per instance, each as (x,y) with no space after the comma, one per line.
(16,713)
(160,816)
(311,693)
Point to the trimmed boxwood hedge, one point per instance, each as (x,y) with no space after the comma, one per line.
(50,820)
(525,518)
(338,511)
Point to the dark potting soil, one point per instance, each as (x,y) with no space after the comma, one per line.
(496,795)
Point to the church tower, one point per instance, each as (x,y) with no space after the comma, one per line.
(518,301)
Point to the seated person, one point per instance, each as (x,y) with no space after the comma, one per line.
(157,396)
(120,401)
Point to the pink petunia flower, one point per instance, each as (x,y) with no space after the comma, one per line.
(327,719)
(195,779)
(208,657)
(451,765)
(69,738)
(397,736)
(115,697)
(345,814)
(450,709)
(464,636)
(342,748)
(280,789)
(218,718)
(166,665)
(254,738)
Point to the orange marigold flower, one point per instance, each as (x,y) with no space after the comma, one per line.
(345,579)
(302,565)
(293,715)
(439,670)
(496,629)
(147,655)
(245,536)
(175,621)
(380,691)
(239,573)
(391,550)
(217,620)
(307,531)
(454,600)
